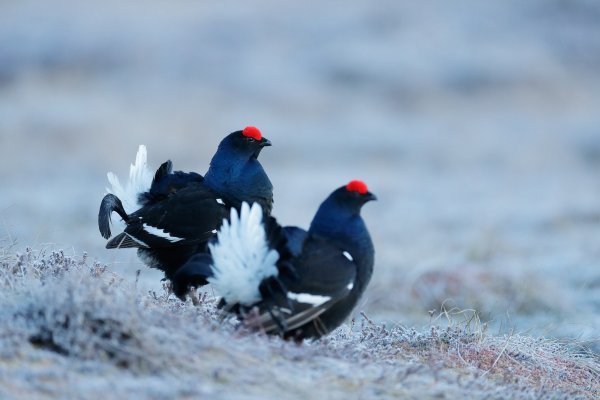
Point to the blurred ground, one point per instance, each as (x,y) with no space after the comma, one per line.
(476,124)
(71,328)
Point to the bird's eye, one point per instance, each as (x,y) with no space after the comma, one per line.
(249,139)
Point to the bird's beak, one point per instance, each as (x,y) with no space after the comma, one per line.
(265,142)
(370,197)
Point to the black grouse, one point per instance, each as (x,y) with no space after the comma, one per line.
(179,212)
(284,280)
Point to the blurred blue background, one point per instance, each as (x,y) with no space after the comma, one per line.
(476,123)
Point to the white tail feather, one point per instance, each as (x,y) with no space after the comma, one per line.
(140,179)
(241,256)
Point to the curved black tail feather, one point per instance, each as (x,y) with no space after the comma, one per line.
(109,203)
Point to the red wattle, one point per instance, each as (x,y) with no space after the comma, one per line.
(357,186)
(253,132)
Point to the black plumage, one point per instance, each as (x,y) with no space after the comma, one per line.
(321,274)
(167,182)
(181,211)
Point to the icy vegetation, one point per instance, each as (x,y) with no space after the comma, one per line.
(68,325)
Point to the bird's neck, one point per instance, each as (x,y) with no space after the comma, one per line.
(240,180)
(349,231)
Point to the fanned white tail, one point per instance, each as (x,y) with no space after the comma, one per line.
(140,179)
(241,256)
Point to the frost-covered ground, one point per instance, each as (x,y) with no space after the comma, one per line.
(475,123)
(70,328)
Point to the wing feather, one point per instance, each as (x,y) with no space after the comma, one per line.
(188,216)
(324,276)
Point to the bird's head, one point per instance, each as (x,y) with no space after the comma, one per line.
(247,142)
(352,196)
(339,214)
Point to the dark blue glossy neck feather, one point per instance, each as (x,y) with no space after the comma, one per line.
(238,176)
(340,221)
